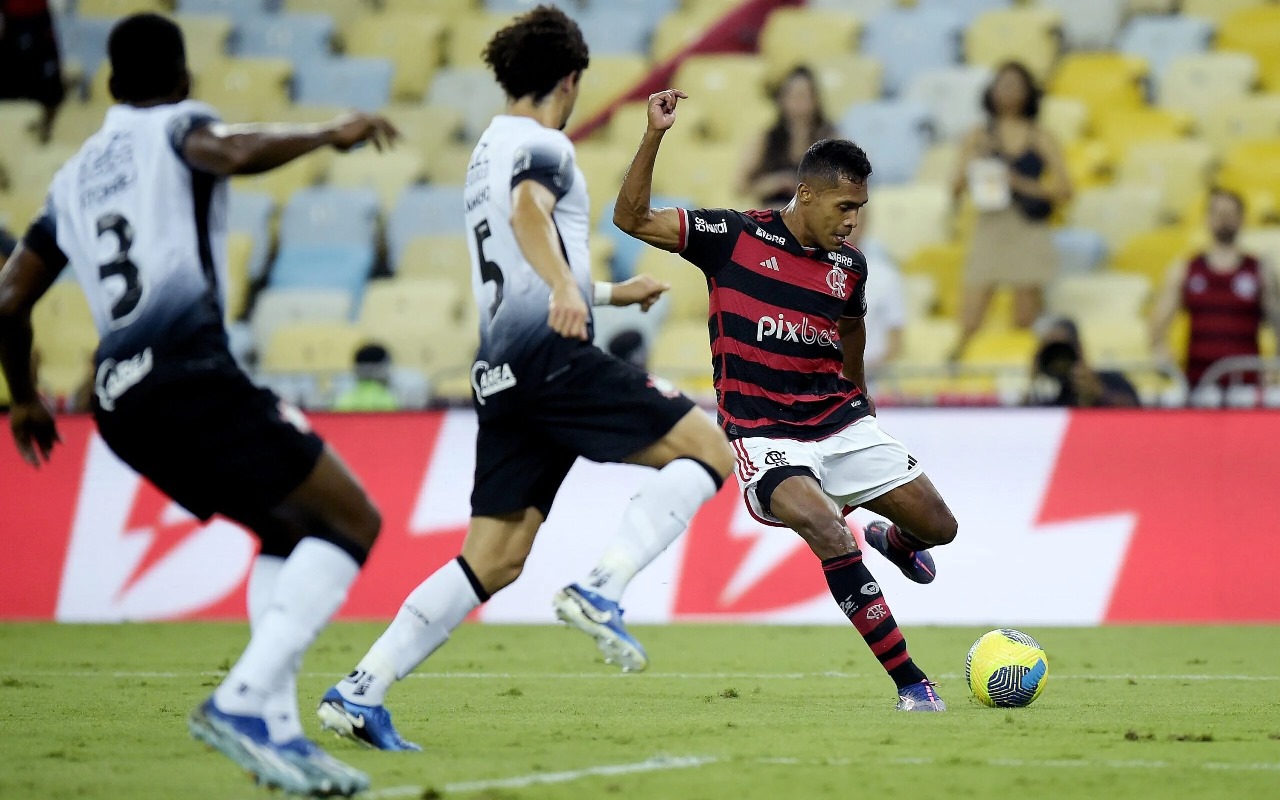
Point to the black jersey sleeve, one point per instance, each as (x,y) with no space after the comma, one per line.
(708,236)
(547,163)
(856,307)
(183,125)
(42,238)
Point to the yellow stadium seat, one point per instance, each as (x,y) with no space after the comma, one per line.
(282,182)
(246,89)
(18,121)
(412,42)
(1000,348)
(65,339)
(910,217)
(468,35)
(627,124)
(1252,166)
(448,164)
(928,342)
(1263,242)
(682,354)
(343,12)
(1198,83)
(1180,169)
(1117,340)
(407,299)
(1151,6)
(1031,36)
(1102,81)
(603,164)
(1117,212)
(206,37)
(919,295)
(5,396)
(728,91)
(31,174)
(1255,31)
(1250,117)
(1150,254)
(441,257)
(687,299)
(63,307)
(847,79)
(608,78)
(944,264)
(704,173)
(1103,295)
(1217,10)
(425,128)
(1121,128)
(791,36)
(1067,118)
(1089,163)
(120,8)
(939,164)
(440,348)
(239,250)
(312,347)
(388,172)
(76,122)
(445,8)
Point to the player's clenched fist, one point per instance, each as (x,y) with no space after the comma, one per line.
(568,313)
(662,108)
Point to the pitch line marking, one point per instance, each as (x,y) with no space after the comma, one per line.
(764,676)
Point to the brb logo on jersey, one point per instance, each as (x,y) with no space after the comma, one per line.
(802,331)
(837,281)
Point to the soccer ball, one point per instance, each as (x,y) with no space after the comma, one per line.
(1006,669)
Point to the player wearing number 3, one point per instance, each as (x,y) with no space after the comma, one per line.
(787,298)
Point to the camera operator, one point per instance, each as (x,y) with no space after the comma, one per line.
(1062,377)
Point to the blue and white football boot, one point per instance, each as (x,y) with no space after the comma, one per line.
(917,565)
(244,740)
(919,697)
(600,619)
(332,777)
(368,725)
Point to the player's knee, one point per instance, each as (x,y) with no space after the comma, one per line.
(826,534)
(498,573)
(944,527)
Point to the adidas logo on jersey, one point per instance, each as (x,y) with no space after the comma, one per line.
(488,381)
(700,224)
(771,263)
(802,331)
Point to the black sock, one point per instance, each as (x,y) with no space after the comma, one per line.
(861,600)
(902,539)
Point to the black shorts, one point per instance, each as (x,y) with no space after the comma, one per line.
(596,406)
(212,441)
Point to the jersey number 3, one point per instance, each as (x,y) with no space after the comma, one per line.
(121,265)
(489,271)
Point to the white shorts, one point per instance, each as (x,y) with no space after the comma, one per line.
(853,466)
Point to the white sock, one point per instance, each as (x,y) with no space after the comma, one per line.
(652,521)
(423,624)
(310,587)
(284,723)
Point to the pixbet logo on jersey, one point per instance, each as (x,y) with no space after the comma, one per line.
(802,331)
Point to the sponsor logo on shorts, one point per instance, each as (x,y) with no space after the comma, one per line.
(114,378)
(802,331)
(776,458)
(837,282)
(488,380)
(701,225)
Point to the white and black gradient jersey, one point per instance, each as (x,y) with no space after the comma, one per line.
(145,234)
(512,298)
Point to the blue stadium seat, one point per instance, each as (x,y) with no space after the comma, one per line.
(424,211)
(1161,39)
(360,83)
(895,134)
(617,31)
(911,41)
(472,91)
(301,38)
(308,266)
(862,9)
(239,10)
(627,250)
(1089,24)
(250,212)
(1080,250)
(954,97)
(84,40)
(327,215)
(968,10)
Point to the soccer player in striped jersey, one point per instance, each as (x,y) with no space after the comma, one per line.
(787,300)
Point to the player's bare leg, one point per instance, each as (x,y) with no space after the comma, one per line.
(800,503)
(919,520)
(693,459)
(493,556)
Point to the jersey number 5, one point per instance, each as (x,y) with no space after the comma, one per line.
(121,265)
(489,271)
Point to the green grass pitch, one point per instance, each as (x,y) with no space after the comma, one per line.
(725,711)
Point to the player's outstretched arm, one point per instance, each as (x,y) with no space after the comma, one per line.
(632,212)
(23,281)
(248,149)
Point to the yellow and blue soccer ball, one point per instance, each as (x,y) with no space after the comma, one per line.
(1006,669)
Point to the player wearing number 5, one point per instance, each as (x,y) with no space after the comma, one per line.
(140,214)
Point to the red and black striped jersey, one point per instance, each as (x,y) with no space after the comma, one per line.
(773,314)
(1225,310)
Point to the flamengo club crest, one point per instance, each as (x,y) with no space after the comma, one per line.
(836,281)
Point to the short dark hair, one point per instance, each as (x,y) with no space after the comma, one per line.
(148,58)
(1233,196)
(535,52)
(1031,108)
(828,160)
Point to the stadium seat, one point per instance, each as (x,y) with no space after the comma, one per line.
(425,128)
(1088,24)
(895,135)
(447,166)
(239,253)
(432,344)
(603,164)
(1251,117)
(682,354)
(1089,163)
(1103,81)
(608,77)
(438,256)
(300,38)
(334,266)
(939,164)
(1151,253)
(910,217)
(246,89)
(1263,242)
(1217,10)
(445,8)
(624,251)
(1152,6)
(413,43)
(718,76)
(1117,212)
(954,96)
(250,213)
(863,9)
(330,215)
(239,10)
(1179,169)
(1252,167)
(82,41)
(1079,250)
(928,342)
(64,339)
(1255,31)
(361,83)
(1111,341)
(919,295)
(1198,83)
(680,29)
(343,12)
(968,10)
(911,41)
(316,347)
(388,173)
(19,119)
(468,35)
(627,123)
(1067,118)
(848,79)
(1027,35)
(1103,295)
(275,308)
(705,172)
(1121,128)
(944,263)
(405,299)
(1000,348)
(206,37)
(421,211)
(471,91)
(617,31)
(282,183)
(120,8)
(687,299)
(791,36)
(1159,40)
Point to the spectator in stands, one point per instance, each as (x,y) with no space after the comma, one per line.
(886,301)
(1226,292)
(1061,376)
(768,174)
(1014,172)
(30,68)
(629,346)
(372,390)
